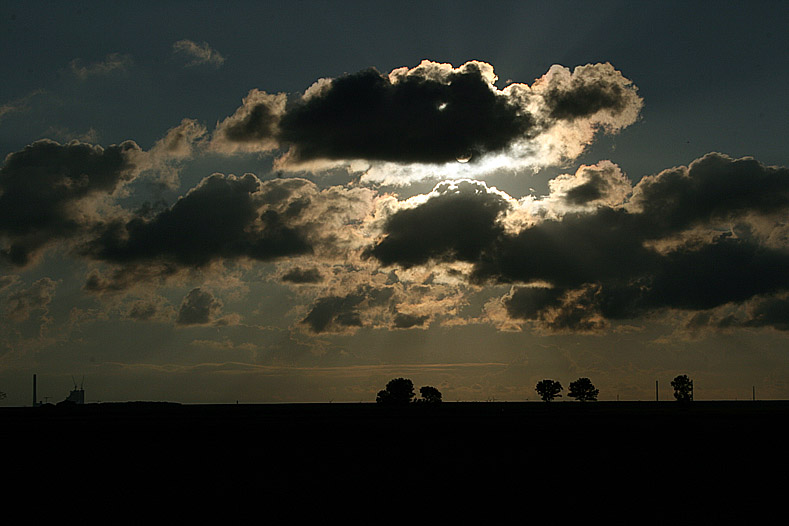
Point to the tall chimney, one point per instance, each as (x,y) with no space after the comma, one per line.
(34,390)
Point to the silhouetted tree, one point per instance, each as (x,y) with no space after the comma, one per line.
(2,395)
(548,389)
(399,391)
(683,388)
(583,390)
(430,395)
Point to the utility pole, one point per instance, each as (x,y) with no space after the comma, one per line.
(657,398)
(754,393)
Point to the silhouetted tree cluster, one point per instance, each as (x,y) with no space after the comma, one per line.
(548,389)
(683,388)
(582,389)
(430,395)
(400,391)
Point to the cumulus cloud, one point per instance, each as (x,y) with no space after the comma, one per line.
(226,218)
(680,240)
(450,119)
(197,54)
(49,191)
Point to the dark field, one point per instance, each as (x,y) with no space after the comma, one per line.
(628,454)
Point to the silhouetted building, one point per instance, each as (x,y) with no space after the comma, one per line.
(76,396)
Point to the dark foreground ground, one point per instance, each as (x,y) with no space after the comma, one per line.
(721,459)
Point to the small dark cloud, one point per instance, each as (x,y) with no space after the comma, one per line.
(300,275)
(199,307)
(585,97)
(334,310)
(407,321)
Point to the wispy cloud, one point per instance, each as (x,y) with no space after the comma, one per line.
(198,54)
(112,63)
(18,105)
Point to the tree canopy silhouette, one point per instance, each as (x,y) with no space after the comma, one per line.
(548,389)
(430,395)
(399,391)
(683,388)
(583,390)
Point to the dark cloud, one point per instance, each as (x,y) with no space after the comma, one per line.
(223,217)
(714,187)
(415,119)
(432,113)
(45,191)
(457,223)
(578,248)
(300,275)
(199,307)
(725,271)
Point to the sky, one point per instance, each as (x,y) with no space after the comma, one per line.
(204,202)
